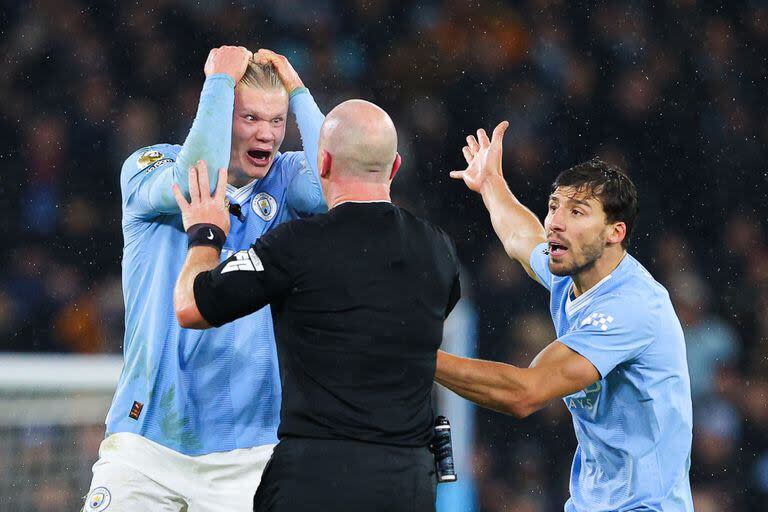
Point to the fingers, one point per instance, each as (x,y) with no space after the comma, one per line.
(472,143)
(482,137)
(203,183)
(498,132)
(457,175)
(194,184)
(221,186)
(268,56)
(180,200)
(267,53)
(468,154)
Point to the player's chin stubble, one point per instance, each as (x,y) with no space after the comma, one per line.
(591,253)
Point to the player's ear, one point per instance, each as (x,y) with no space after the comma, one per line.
(325,163)
(395,166)
(617,233)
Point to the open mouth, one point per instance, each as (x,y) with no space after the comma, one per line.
(557,250)
(259,157)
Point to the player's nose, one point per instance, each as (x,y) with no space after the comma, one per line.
(555,220)
(264,133)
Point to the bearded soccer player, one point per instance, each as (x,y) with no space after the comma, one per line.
(195,415)
(618,361)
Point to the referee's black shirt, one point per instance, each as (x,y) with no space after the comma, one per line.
(358,296)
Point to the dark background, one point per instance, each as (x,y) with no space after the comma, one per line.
(674,92)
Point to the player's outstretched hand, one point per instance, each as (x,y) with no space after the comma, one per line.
(204,208)
(285,71)
(483,158)
(232,60)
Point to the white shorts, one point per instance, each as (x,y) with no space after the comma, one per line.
(135,474)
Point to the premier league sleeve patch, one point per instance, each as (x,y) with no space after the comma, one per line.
(148,158)
(264,205)
(97,500)
(152,159)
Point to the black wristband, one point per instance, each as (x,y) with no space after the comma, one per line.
(206,234)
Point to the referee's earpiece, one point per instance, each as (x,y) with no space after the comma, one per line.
(395,166)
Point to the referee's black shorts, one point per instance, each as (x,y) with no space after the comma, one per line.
(318,475)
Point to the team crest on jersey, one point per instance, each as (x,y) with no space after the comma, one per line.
(264,205)
(98,500)
(148,158)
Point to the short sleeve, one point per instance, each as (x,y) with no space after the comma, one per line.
(455,290)
(539,262)
(610,332)
(455,295)
(247,281)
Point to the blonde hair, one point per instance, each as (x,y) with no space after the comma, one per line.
(261,76)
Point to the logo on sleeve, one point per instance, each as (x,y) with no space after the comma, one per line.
(246,261)
(148,158)
(98,500)
(264,205)
(598,320)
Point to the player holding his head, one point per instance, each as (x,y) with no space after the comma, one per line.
(619,359)
(195,415)
(359,296)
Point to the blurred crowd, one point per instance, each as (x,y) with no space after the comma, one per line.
(674,92)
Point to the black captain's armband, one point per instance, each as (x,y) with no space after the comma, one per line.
(206,234)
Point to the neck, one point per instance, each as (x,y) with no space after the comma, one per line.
(357,192)
(596,272)
(237,178)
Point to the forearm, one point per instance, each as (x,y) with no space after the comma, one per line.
(498,386)
(310,119)
(516,226)
(199,259)
(209,139)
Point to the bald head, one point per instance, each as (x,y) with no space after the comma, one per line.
(361,139)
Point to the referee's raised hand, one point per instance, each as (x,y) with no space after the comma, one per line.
(204,208)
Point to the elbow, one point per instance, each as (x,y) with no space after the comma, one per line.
(189,316)
(522,410)
(521,404)
(183,315)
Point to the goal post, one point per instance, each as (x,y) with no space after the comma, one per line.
(52,411)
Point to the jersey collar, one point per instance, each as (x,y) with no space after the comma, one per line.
(583,300)
(574,306)
(242,193)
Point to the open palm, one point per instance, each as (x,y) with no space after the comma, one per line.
(483,158)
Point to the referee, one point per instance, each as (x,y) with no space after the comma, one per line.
(358,298)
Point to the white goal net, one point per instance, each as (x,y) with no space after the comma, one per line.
(52,411)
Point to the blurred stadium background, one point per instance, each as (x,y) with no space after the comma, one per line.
(673,91)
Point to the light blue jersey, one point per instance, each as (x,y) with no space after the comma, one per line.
(634,425)
(203,391)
